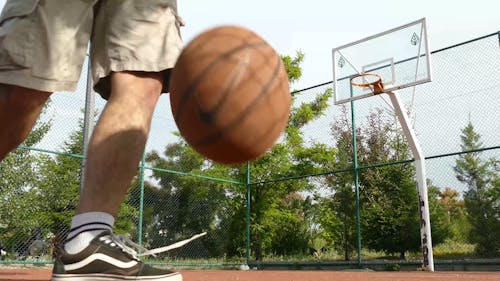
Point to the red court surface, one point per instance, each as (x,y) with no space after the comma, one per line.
(235,275)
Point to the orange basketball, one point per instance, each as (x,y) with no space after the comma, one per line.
(230,95)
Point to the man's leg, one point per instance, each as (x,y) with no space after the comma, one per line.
(19,109)
(118,141)
(113,155)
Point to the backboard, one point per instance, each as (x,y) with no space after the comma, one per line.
(400,56)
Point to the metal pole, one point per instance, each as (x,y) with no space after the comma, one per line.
(248,215)
(356,181)
(88,120)
(423,200)
(141,200)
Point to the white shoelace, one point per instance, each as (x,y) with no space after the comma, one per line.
(128,245)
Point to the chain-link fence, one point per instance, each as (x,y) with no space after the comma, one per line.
(300,204)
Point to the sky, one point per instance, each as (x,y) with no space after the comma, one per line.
(316,26)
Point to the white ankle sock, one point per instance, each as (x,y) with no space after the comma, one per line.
(84,228)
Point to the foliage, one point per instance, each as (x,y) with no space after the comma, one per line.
(338,218)
(18,176)
(289,216)
(279,212)
(483,194)
(451,249)
(59,186)
(318,244)
(454,207)
(441,227)
(183,205)
(390,220)
(388,194)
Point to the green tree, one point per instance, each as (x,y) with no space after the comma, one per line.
(441,225)
(390,210)
(482,195)
(58,186)
(184,205)
(18,175)
(280,215)
(456,213)
(338,218)
(388,195)
(271,213)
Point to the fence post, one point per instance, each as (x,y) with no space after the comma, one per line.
(248,215)
(356,181)
(141,200)
(88,119)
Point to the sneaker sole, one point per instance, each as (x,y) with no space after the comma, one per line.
(107,277)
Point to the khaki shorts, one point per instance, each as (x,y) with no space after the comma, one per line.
(43,44)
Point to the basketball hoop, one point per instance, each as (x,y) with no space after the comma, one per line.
(369,80)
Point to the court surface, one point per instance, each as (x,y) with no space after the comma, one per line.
(236,275)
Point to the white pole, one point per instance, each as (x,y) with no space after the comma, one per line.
(423,200)
(88,119)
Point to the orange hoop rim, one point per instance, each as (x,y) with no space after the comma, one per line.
(377,85)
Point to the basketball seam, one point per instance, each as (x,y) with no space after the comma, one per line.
(211,138)
(197,81)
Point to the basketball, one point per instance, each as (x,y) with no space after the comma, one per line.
(229,95)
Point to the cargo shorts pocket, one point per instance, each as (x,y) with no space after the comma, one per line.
(17,34)
(152,10)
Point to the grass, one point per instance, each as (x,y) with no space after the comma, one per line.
(454,250)
(445,251)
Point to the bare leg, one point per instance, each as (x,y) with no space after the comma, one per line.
(19,109)
(118,141)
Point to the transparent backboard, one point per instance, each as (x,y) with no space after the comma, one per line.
(400,56)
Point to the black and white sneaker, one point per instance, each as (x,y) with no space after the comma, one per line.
(107,258)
